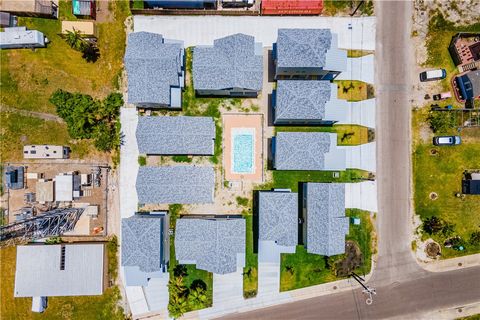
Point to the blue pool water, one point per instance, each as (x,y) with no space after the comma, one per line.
(243,153)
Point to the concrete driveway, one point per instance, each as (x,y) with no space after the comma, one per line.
(361,69)
(353,33)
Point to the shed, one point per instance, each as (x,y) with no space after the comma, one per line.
(64,187)
(84,8)
(14,177)
(86,28)
(292,7)
(7,20)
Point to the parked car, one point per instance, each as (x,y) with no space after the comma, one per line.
(431,75)
(446,140)
(442,96)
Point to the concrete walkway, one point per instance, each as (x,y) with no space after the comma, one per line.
(361,69)
(128,163)
(353,33)
(227,288)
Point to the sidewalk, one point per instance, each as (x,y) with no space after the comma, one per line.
(276,299)
(451,264)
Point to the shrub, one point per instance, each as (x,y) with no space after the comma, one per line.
(182,159)
(441,121)
(142,160)
(88,118)
(435,225)
(242,201)
(475,238)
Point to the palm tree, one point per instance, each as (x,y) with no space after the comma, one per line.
(90,52)
(197,298)
(75,40)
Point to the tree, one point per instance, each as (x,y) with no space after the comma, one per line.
(197,298)
(180,270)
(432,225)
(177,306)
(75,40)
(90,52)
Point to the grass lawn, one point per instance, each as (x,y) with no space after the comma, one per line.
(81,308)
(354,90)
(347,135)
(442,174)
(353,53)
(291,179)
(250,275)
(18,130)
(303,269)
(29,77)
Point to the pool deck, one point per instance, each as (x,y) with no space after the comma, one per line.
(243,121)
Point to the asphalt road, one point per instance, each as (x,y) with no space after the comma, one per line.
(404,290)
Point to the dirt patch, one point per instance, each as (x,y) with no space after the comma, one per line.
(353,259)
(433,196)
(433,250)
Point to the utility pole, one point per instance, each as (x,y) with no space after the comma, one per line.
(366,289)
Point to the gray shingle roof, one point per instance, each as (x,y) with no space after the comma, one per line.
(176,135)
(230,63)
(301,99)
(278,217)
(326,221)
(308,151)
(176,184)
(213,245)
(153,67)
(303,47)
(142,242)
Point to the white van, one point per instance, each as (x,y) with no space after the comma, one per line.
(431,75)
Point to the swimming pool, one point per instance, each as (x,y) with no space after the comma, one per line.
(243,144)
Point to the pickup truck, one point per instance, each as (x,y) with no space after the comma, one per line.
(442,96)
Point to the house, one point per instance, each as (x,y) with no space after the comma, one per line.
(7,20)
(464,49)
(181,4)
(307,151)
(325,225)
(176,135)
(59,270)
(155,71)
(292,7)
(308,54)
(214,245)
(45,152)
(64,187)
(467,85)
(232,67)
(44,191)
(175,184)
(145,247)
(86,29)
(30,8)
(311,102)
(278,217)
(20,38)
(471,183)
(14,177)
(84,8)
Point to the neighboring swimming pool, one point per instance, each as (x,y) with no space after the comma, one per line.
(243,151)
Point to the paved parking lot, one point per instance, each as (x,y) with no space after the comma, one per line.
(353,33)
